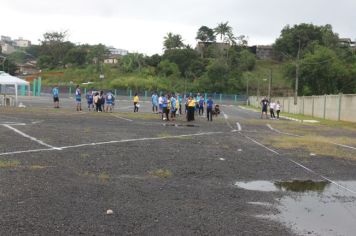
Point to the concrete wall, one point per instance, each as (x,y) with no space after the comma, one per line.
(330,107)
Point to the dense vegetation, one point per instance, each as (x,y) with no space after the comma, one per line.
(221,62)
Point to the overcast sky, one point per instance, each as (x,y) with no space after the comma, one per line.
(139,26)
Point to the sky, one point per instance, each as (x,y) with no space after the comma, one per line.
(140,26)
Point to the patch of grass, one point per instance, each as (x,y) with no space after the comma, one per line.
(161,173)
(322,146)
(9,164)
(163,135)
(37,167)
(104,177)
(84,155)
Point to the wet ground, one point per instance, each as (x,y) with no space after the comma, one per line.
(62,170)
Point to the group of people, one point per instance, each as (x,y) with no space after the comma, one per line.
(274,108)
(96,101)
(169,105)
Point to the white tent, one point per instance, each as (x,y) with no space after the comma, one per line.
(6,79)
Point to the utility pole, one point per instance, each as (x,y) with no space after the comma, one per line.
(297,76)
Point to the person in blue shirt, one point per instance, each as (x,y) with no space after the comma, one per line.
(165,111)
(78,98)
(109,101)
(201,105)
(90,99)
(154,100)
(173,107)
(179,98)
(209,108)
(55,92)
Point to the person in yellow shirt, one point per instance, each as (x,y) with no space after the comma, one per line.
(136,101)
(191,107)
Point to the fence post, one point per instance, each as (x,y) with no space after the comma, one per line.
(115,92)
(70,91)
(205,96)
(339,112)
(39,84)
(145,95)
(235,98)
(220,98)
(324,112)
(34,87)
(303,107)
(130,94)
(288,104)
(23,90)
(313,106)
(85,90)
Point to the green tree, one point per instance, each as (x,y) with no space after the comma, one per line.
(218,75)
(205,34)
(173,41)
(168,69)
(76,56)
(223,29)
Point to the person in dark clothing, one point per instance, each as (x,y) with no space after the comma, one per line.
(209,109)
(264,105)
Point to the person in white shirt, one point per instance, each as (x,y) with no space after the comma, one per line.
(278,109)
(272,107)
(160,103)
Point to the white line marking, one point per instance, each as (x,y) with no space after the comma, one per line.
(12,123)
(27,151)
(29,137)
(110,142)
(122,118)
(260,144)
(302,166)
(280,132)
(343,145)
(238,126)
(227,121)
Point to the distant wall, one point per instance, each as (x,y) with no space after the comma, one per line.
(330,107)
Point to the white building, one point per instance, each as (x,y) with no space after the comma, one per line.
(22,43)
(117,52)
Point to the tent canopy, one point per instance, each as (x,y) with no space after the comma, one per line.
(6,79)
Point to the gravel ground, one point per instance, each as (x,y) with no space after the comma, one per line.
(158,178)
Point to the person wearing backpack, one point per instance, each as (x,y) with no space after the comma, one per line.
(55,93)
(97,102)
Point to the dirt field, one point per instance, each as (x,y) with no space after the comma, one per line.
(61,170)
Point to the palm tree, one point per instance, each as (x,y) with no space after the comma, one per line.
(223,29)
(172,41)
(205,34)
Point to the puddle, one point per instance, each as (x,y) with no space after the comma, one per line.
(312,208)
(264,186)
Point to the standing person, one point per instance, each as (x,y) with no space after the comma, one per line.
(278,109)
(209,108)
(136,101)
(197,98)
(173,107)
(165,111)
(201,105)
(102,100)
(191,108)
(272,107)
(97,102)
(90,99)
(179,98)
(78,98)
(160,103)
(185,104)
(55,92)
(264,105)
(154,100)
(109,101)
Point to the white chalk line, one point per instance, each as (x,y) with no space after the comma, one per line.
(239,128)
(280,132)
(227,121)
(28,136)
(295,135)
(302,166)
(111,142)
(122,118)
